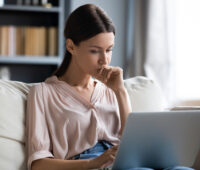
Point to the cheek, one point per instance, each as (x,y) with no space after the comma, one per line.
(109,58)
(83,57)
(89,61)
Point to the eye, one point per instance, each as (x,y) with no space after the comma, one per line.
(109,50)
(94,51)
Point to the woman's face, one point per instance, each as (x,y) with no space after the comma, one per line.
(92,54)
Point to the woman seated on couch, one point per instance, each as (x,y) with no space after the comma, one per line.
(74,121)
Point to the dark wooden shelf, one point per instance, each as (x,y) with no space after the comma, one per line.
(39,60)
(34,68)
(30,8)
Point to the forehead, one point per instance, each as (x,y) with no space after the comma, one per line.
(101,40)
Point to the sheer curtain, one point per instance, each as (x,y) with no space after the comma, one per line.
(153,44)
(188,50)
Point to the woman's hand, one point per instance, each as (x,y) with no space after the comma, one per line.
(111,76)
(104,160)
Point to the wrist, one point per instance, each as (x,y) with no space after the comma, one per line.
(119,90)
(90,164)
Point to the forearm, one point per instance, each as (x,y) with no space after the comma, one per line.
(58,164)
(124,106)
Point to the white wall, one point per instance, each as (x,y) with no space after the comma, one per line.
(116,9)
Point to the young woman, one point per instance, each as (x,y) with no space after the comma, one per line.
(76,117)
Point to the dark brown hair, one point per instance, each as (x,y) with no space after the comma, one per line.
(84,23)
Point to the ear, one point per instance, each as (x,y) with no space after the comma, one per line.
(70,46)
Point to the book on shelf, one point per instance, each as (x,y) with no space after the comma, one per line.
(27,2)
(35,2)
(4,40)
(19,40)
(11,41)
(10,2)
(52,41)
(35,41)
(28,41)
(19,2)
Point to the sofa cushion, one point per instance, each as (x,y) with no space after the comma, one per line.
(12,124)
(145,94)
(12,155)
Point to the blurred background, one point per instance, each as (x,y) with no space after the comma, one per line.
(158,39)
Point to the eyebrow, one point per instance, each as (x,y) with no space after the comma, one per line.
(95,46)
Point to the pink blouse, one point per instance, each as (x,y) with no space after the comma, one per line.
(61,123)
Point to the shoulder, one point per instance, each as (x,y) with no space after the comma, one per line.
(37,88)
(36,92)
(40,87)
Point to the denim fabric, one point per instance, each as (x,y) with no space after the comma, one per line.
(95,151)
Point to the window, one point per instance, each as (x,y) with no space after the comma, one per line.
(187,49)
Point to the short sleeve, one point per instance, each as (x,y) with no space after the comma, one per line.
(38,140)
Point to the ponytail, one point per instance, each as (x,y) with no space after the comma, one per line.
(64,65)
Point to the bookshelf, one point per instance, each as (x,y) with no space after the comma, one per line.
(33,54)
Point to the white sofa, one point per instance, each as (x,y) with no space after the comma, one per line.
(145,95)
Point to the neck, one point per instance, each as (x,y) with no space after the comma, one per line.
(74,76)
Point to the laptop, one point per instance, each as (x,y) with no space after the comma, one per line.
(159,139)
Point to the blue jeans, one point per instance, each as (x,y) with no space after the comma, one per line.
(93,152)
(102,146)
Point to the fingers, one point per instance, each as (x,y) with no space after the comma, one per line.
(112,77)
(105,73)
(110,155)
(115,147)
(106,159)
(114,150)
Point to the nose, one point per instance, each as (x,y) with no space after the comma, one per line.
(103,59)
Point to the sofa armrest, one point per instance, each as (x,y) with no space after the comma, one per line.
(12,124)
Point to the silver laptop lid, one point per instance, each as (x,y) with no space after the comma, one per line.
(159,140)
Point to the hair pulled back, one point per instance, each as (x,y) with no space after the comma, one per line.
(82,24)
